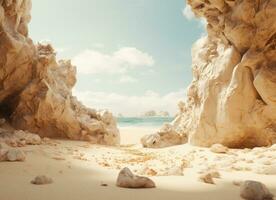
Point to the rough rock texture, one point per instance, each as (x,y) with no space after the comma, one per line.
(127,179)
(12,155)
(166,136)
(35,89)
(253,190)
(19,138)
(232,98)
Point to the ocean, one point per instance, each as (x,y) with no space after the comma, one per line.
(143,121)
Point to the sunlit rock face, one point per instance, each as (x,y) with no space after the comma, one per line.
(36,89)
(232,98)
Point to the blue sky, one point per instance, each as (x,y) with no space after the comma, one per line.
(131,51)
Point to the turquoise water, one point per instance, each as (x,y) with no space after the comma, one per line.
(143,121)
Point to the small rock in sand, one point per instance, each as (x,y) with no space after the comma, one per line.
(253,190)
(42,180)
(104,184)
(207,177)
(15,155)
(218,148)
(127,179)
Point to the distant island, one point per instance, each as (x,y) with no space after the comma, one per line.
(153,113)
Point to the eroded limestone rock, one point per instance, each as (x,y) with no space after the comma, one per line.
(127,179)
(167,136)
(19,138)
(35,88)
(232,98)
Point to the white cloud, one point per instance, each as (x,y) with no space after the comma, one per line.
(188,13)
(127,79)
(96,62)
(132,105)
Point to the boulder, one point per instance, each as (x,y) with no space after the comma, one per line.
(127,179)
(253,190)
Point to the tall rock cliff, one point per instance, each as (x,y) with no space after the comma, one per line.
(35,89)
(232,98)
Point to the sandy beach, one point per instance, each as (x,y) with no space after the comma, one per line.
(84,171)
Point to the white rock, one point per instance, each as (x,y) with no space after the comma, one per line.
(42,180)
(218,148)
(253,190)
(127,179)
(166,136)
(15,155)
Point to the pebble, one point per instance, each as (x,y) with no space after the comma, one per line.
(42,180)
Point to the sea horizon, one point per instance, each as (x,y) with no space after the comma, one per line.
(154,121)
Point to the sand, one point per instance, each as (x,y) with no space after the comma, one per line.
(84,171)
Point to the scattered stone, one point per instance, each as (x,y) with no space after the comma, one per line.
(253,190)
(19,138)
(127,179)
(206,178)
(42,180)
(15,155)
(29,138)
(104,184)
(218,148)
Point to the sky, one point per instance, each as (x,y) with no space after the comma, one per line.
(131,55)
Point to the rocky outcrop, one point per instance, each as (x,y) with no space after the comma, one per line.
(153,113)
(166,136)
(36,89)
(232,98)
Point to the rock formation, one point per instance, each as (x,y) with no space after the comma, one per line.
(166,136)
(35,89)
(232,98)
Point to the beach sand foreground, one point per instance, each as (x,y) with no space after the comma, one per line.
(84,171)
